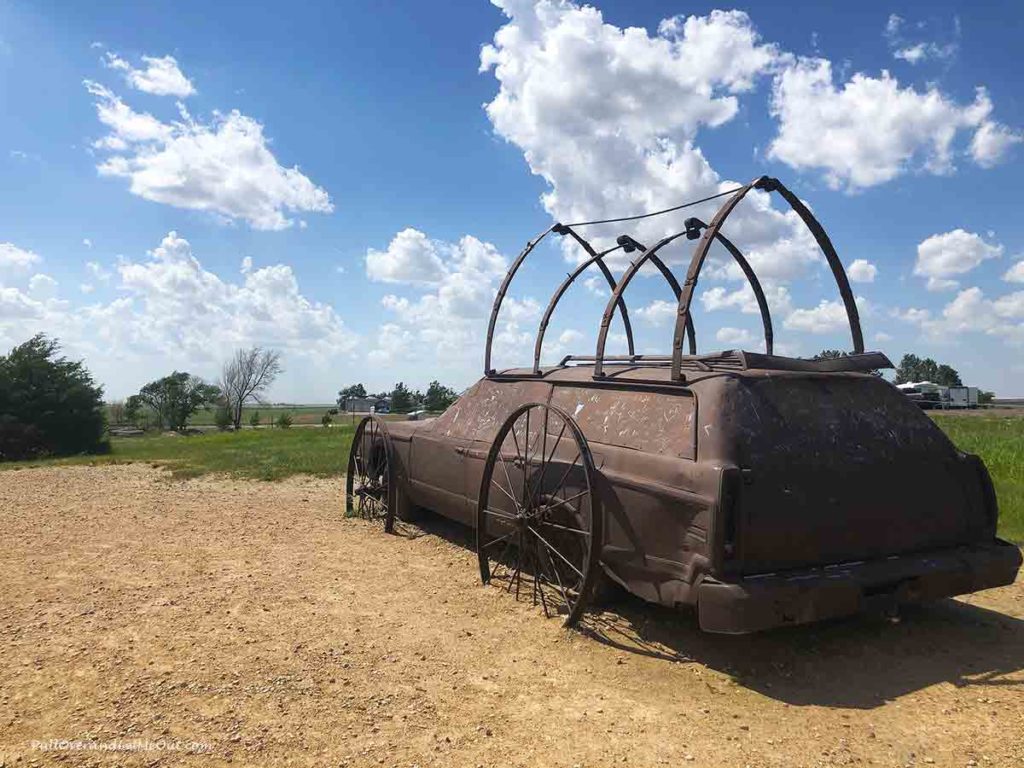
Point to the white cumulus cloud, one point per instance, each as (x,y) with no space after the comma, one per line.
(659,312)
(862,271)
(906,43)
(738,338)
(991,143)
(449,291)
(827,317)
(173,312)
(160,76)
(224,167)
(942,257)
(609,117)
(868,130)
(1015,274)
(15,259)
(973,312)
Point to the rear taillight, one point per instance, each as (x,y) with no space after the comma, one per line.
(725,542)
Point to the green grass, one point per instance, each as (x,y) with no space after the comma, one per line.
(999,440)
(265,454)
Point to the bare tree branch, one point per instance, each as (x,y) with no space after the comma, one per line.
(246,376)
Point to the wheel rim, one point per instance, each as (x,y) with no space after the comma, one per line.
(368,487)
(538,522)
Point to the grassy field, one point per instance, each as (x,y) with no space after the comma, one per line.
(999,440)
(271,454)
(264,454)
(301,414)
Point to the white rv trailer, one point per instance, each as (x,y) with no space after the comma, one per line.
(962,397)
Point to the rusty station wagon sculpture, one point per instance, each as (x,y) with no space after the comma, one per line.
(762,489)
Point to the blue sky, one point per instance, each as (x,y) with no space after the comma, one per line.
(347,182)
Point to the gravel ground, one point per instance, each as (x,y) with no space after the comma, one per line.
(248,623)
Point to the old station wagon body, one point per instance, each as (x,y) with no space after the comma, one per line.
(761,489)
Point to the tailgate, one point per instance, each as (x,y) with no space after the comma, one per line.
(846,469)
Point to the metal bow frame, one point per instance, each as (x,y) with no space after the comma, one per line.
(684,330)
(766,184)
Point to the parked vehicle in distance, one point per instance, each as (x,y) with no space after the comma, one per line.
(762,490)
(963,397)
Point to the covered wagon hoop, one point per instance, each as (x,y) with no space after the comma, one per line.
(766,184)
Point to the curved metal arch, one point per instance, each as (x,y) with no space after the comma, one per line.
(595,258)
(650,254)
(755,284)
(502,289)
(766,184)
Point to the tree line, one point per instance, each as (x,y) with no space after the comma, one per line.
(50,405)
(403,400)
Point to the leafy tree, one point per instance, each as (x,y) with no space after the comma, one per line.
(173,399)
(401,399)
(48,404)
(914,368)
(254,419)
(985,397)
(829,354)
(438,397)
(284,421)
(246,376)
(356,390)
(948,377)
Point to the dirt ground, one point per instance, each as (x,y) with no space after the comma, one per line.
(208,622)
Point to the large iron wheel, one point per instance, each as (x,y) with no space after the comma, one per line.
(370,491)
(538,520)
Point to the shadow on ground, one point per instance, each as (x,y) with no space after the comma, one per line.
(859,662)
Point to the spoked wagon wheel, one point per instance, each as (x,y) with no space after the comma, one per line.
(369,485)
(538,520)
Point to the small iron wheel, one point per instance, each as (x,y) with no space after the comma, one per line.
(369,485)
(538,523)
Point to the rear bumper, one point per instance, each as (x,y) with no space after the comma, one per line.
(796,597)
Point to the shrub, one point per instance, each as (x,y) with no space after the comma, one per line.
(326,420)
(48,404)
(254,419)
(284,421)
(222,418)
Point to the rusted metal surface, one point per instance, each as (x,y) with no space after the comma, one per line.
(763,490)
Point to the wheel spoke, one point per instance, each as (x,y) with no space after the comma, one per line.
(502,515)
(498,540)
(565,502)
(563,528)
(550,546)
(509,479)
(561,587)
(568,469)
(537,576)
